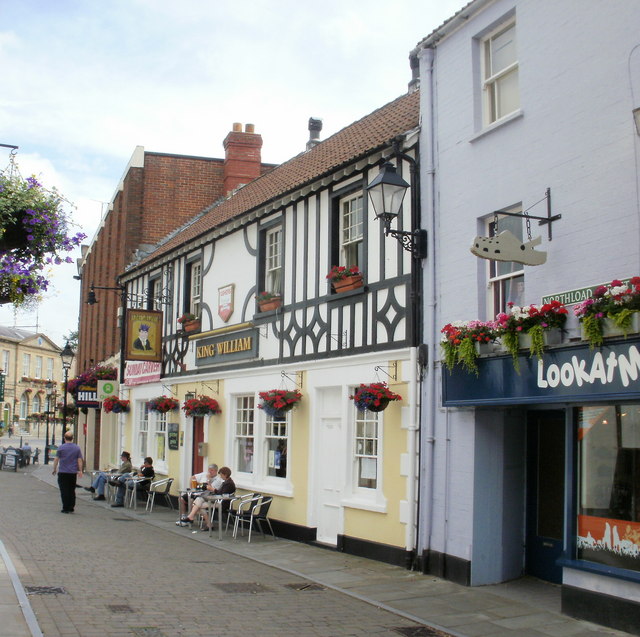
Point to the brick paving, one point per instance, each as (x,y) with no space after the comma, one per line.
(129,573)
(124,577)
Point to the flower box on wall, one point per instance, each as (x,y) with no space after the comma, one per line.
(270,304)
(191,326)
(550,337)
(348,283)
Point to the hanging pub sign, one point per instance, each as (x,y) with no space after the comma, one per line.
(507,247)
(144,336)
(87,396)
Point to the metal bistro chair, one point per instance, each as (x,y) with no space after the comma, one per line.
(135,485)
(161,488)
(232,513)
(256,511)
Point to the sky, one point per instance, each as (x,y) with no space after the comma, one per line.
(86,81)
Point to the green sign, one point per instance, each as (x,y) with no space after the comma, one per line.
(571,297)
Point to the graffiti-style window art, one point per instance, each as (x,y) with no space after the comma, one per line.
(609,485)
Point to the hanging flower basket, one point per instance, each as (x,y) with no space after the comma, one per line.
(277,402)
(33,233)
(114,404)
(201,406)
(162,404)
(374,397)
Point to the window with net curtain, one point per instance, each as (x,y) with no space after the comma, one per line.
(366,448)
(500,73)
(351,230)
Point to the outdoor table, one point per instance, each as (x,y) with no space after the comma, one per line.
(134,481)
(215,502)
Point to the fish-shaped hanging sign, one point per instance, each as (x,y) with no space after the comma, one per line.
(507,247)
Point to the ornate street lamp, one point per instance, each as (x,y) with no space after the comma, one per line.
(67,356)
(386,193)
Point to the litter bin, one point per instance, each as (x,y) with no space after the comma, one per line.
(11,459)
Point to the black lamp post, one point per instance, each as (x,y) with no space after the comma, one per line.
(49,390)
(67,356)
(386,192)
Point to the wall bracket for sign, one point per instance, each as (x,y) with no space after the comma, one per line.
(297,381)
(393,367)
(217,388)
(548,220)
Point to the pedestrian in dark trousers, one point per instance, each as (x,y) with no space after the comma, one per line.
(69,460)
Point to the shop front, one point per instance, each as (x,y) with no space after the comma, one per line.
(574,416)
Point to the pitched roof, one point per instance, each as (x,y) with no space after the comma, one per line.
(361,138)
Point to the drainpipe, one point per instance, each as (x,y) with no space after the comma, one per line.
(428,219)
(412,437)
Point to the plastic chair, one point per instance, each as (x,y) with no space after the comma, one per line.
(162,488)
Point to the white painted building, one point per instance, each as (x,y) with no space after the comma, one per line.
(521,99)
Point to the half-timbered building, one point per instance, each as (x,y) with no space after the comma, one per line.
(338,476)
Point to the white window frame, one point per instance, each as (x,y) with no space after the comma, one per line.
(143,430)
(36,405)
(49,368)
(38,370)
(24,405)
(249,422)
(6,360)
(352,230)
(366,498)
(273,260)
(26,365)
(195,291)
(497,301)
(493,79)
(160,441)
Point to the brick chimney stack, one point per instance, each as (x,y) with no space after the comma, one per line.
(242,160)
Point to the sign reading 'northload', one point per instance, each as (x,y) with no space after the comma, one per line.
(226,348)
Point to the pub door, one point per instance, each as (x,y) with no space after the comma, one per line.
(198,436)
(545,493)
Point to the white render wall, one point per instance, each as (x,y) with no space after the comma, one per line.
(579,80)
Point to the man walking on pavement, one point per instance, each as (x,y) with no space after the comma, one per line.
(69,459)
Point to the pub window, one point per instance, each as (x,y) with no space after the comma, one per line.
(609,485)
(276,444)
(244,425)
(351,230)
(143,429)
(194,288)
(366,449)
(160,448)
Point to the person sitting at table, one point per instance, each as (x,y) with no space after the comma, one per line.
(146,471)
(97,486)
(209,477)
(228,488)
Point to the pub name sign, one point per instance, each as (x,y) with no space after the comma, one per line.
(226,348)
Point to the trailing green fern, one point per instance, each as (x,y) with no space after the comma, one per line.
(592,327)
(537,340)
(450,354)
(622,319)
(511,340)
(467,356)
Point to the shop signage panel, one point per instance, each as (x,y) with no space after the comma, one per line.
(87,396)
(217,350)
(565,374)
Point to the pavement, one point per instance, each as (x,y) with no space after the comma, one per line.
(422,604)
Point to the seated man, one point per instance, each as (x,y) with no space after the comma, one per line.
(209,477)
(146,471)
(101,478)
(228,488)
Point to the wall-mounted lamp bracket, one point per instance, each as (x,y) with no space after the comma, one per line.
(209,387)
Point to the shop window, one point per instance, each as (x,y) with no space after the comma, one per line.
(500,74)
(506,278)
(367,444)
(609,485)
(244,441)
